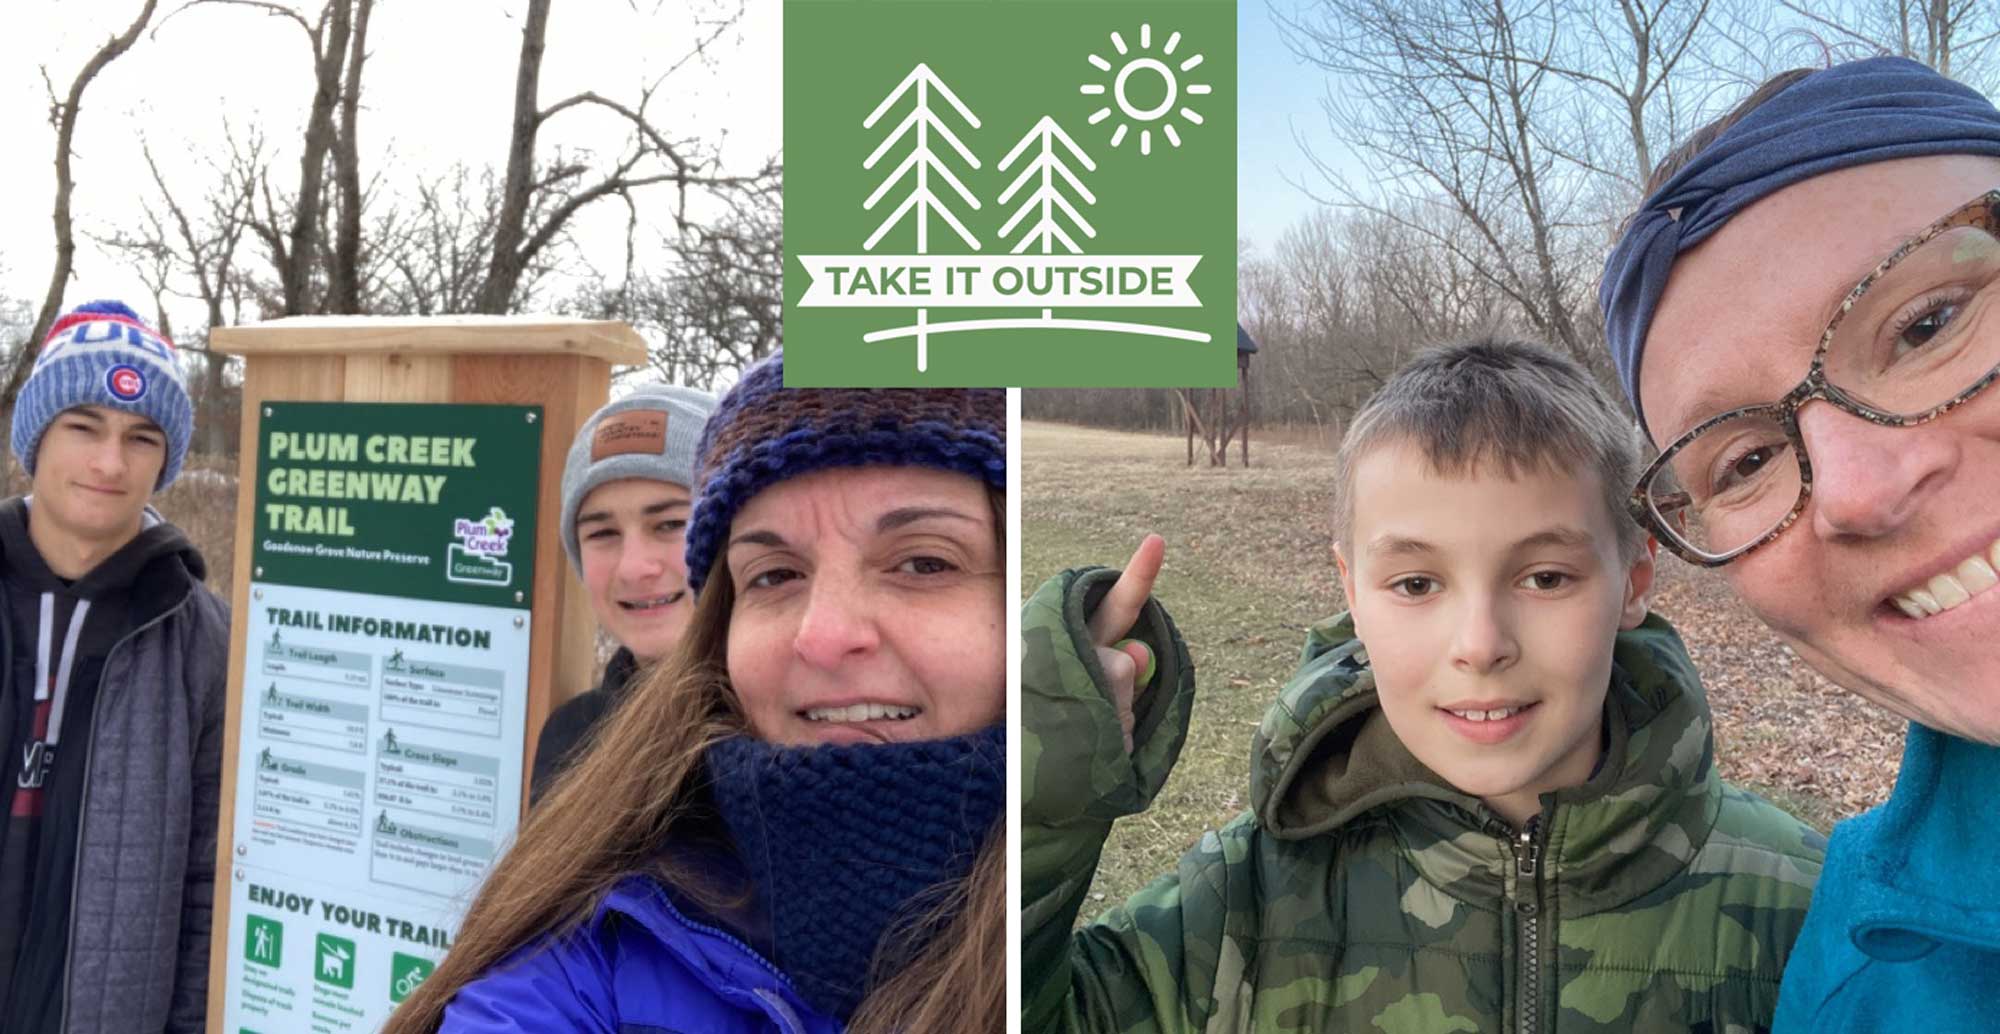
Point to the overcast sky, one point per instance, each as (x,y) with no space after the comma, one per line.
(438,89)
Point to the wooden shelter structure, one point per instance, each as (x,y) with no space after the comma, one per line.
(1220,415)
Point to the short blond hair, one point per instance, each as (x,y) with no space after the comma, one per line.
(1498,401)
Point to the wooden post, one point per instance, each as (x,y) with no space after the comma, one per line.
(1187,419)
(561,365)
(1243,368)
(1218,427)
(1223,427)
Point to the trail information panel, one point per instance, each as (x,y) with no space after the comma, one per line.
(384,700)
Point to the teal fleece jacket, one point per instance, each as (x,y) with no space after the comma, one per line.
(1904,930)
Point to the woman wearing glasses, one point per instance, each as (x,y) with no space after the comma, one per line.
(1805,313)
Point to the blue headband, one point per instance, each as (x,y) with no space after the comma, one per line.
(1851,114)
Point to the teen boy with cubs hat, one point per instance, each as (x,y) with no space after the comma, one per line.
(113,659)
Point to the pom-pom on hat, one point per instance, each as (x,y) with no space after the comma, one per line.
(763,432)
(102,354)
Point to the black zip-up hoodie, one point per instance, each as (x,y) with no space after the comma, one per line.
(569,727)
(45,770)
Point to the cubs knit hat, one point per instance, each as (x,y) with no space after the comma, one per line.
(102,354)
(648,434)
(763,433)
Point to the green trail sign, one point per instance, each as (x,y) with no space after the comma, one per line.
(434,502)
(1010,193)
(378,739)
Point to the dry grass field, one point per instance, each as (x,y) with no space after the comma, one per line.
(1249,567)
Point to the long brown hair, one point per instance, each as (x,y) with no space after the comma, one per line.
(606,817)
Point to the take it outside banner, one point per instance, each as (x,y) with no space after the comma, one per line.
(1031,193)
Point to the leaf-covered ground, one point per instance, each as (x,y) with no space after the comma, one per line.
(1250,566)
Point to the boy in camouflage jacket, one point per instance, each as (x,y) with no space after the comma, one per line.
(1493,809)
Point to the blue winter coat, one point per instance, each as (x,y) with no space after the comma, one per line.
(1904,930)
(639,966)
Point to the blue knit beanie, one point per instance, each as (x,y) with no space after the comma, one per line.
(102,354)
(763,432)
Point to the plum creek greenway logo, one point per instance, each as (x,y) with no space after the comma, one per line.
(1010,193)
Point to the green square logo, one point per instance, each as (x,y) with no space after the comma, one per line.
(263,940)
(333,961)
(406,974)
(1010,193)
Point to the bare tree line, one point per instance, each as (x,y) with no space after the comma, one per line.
(252,242)
(1485,152)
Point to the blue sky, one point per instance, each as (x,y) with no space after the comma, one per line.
(1278,94)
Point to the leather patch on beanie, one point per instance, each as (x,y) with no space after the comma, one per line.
(642,431)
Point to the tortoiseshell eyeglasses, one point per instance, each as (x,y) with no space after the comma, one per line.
(1912,341)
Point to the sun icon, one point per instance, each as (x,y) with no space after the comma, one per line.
(1150,73)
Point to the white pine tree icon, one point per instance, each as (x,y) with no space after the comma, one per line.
(921,158)
(1047,197)
(924,161)
(1049,162)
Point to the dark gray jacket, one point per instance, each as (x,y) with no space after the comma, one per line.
(143,897)
(572,726)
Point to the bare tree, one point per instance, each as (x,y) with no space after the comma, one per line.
(649,159)
(1955,37)
(63,114)
(1447,100)
(313,235)
(1628,59)
(436,248)
(721,305)
(1503,135)
(345,281)
(177,245)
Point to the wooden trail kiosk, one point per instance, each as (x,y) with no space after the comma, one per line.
(403,614)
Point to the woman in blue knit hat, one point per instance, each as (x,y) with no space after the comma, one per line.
(1805,312)
(794,822)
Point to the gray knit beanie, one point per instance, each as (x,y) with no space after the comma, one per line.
(648,434)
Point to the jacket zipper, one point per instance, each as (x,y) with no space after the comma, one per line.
(754,954)
(787,1018)
(1527,849)
(83,802)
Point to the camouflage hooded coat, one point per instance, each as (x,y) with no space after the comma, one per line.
(1362,893)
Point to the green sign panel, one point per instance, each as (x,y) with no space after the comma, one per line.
(1036,193)
(333,961)
(406,974)
(264,941)
(433,502)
